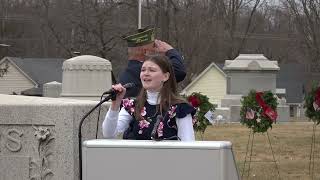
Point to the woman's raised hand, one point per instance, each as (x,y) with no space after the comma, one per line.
(121,91)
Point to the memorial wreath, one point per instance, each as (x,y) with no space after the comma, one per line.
(312,104)
(258,110)
(201,103)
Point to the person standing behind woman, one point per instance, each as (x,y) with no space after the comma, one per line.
(140,45)
(158,101)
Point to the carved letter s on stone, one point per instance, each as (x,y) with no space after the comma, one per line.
(18,145)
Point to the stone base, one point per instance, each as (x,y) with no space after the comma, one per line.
(231,99)
(283,113)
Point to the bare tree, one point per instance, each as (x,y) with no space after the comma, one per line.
(307,19)
(90,27)
(307,22)
(238,17)
(202,30)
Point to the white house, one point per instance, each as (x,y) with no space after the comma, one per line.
(27,75)
(211,82)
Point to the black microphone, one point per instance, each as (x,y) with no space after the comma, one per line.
(155,127)
(112,91)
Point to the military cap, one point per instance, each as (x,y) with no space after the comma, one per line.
(141,37)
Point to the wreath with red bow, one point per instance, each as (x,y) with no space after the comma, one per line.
(202,104)
(258,110)
(312,104)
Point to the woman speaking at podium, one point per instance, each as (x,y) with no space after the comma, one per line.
(157,113)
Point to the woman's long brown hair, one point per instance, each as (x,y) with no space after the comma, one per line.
(168,93)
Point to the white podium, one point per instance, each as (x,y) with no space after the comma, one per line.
(163,160)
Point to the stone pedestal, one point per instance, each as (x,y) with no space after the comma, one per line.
(52,89)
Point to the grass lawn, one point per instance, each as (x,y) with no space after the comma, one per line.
(291,143)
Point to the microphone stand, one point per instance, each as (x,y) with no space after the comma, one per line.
(111,96)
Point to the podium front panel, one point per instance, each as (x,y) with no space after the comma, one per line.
(152,160)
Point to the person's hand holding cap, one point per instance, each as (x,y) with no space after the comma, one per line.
(161,46)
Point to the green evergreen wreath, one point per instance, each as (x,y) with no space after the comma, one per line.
(312,104)
(202,104)
(258,110)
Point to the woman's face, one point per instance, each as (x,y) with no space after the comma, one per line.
(152,77)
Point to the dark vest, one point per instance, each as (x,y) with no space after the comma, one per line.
(167,128)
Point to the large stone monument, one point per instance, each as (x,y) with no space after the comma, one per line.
(86,77)
(250,71)
(247,72)
(39,136)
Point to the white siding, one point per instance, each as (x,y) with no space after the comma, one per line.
(14,81)
(213,84)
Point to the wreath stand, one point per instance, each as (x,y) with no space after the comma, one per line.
(312,151)
(248,157)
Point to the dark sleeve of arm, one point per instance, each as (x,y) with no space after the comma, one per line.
(177,64)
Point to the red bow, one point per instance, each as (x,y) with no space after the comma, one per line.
(267,110)
(195,102)
(317,97)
